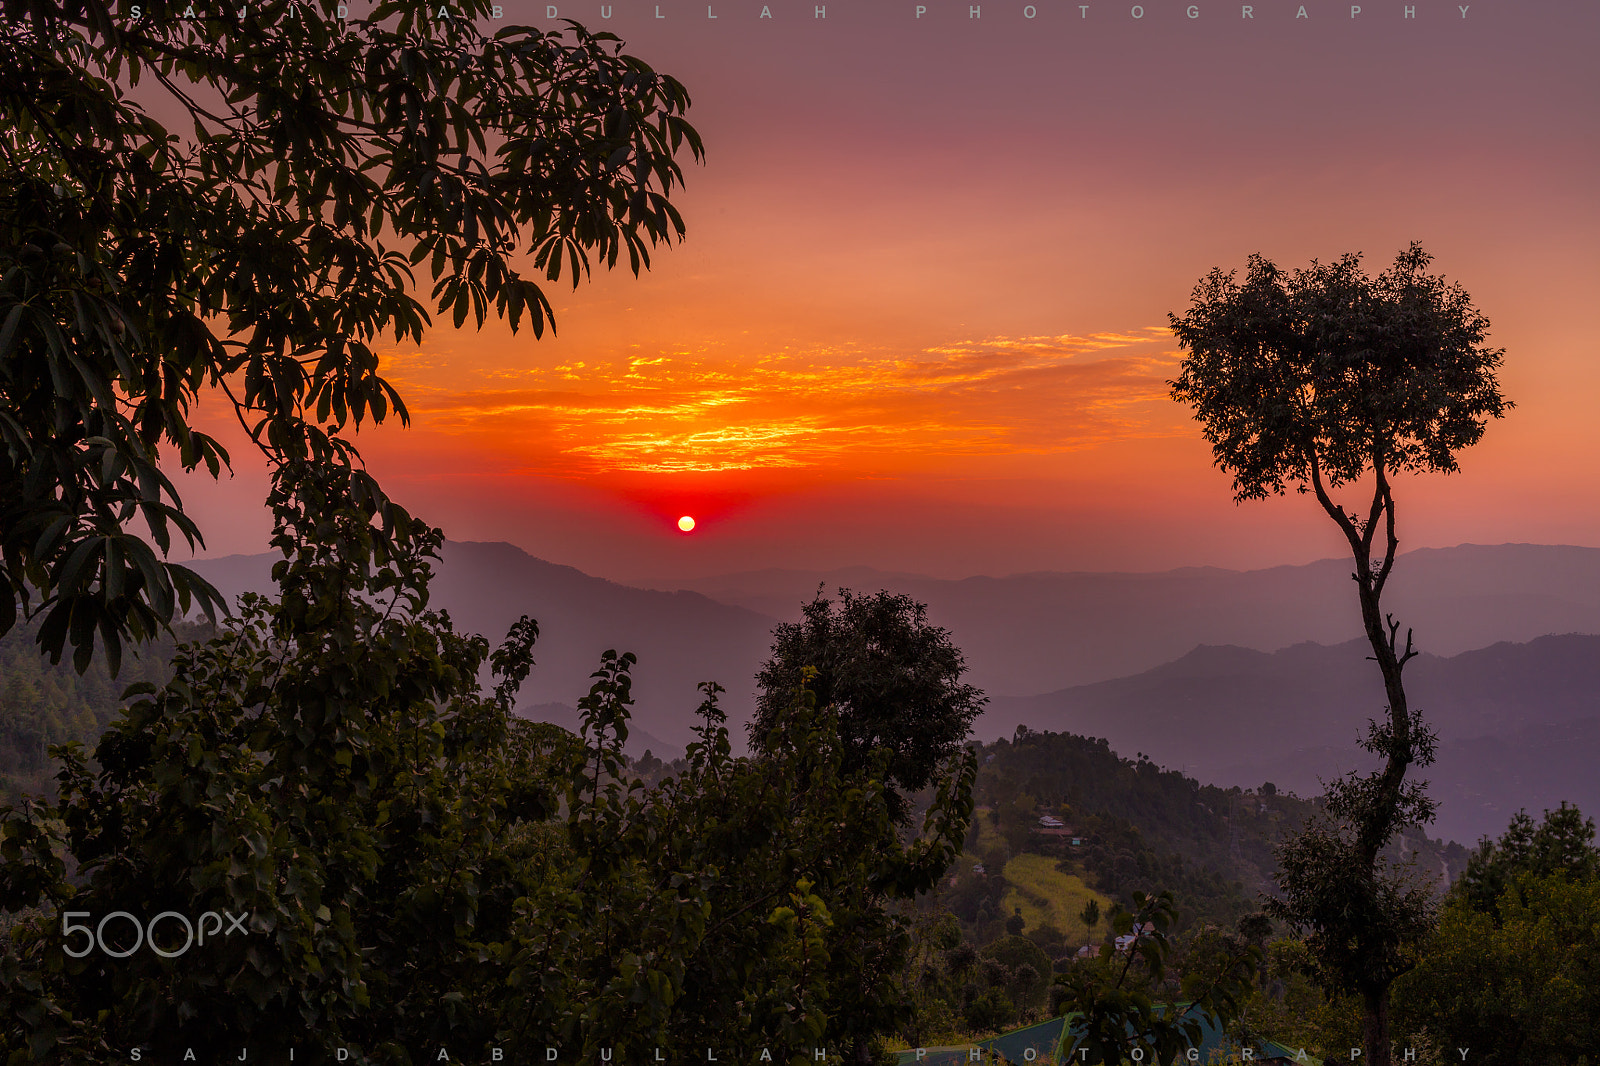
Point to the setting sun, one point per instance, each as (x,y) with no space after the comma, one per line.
(686,523)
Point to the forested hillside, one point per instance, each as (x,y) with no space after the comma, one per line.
(1067,833)
(1127,824)
(41,704)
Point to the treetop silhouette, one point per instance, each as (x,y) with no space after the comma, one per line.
(257,251)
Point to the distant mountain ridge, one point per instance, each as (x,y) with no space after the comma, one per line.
(1039,632)
(1518,724)
(680,638)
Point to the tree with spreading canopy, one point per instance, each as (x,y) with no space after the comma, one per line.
(416,868)
(244,206)
(1322,377)
(894,680)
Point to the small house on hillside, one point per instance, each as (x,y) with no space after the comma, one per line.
(1051,826)
(1125,942)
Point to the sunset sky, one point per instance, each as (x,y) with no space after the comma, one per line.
(919,319)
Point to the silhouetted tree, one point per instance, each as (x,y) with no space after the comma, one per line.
(1320,377)
(894,680)
(259,260)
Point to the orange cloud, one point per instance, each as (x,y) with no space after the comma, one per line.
(853,407)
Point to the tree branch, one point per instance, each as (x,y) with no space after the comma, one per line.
(1334,510)
(1392,542)
(1401,658)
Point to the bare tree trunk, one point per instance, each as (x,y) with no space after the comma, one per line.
(1378,821)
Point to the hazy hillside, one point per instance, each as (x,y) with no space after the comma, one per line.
(1516,721)
(1032,633)
(681,638)
(43,704)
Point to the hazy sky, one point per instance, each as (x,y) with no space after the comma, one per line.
(919,320)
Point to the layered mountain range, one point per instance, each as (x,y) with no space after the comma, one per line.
(1518,724)
(1238,677)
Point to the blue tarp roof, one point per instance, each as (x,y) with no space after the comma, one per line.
(1045,1040)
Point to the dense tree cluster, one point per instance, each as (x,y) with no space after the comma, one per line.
(1512,970)
(957,990)
(422,871)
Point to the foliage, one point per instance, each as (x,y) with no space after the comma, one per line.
(1318,377)
(1283,1004)
(260,261)
(1026,969)
(1562,845)
(1511,971)
(1518,984)
(990,1010)
(1323,372)
(795,866)
(1124,1001)
(956,992)
(1364,920)
(894,679)
(1364,916)
(324,766)
(421,871)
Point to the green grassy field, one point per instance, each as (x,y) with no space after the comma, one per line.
(1045,894)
